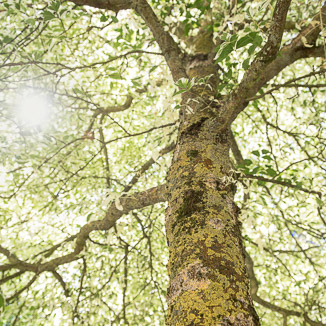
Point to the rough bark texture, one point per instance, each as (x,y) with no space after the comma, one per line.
(208,278)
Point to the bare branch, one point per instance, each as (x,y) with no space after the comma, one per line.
(235,149)
(254,285)
(33,279)
(282,183)
(146,166)
(62,282)
(291,83)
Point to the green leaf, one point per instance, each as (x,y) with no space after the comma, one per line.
(247,162)
(153,68)
(2,301)
(245,64)
(227,49)
(255,170)
(55,5)
(252,49)
(47,15)
(267,157)
(104,18)
(115,75)
(256,153)
(271,172)
(319,201)
(7,39)
(30,21)
(251,37)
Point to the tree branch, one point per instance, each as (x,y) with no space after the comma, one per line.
(117,108)
(168,46)
(113,5)
(260,71)
(135,201)
(254,285)
(275,32)
(146,166)
(282,183)
(235,149)
(291,83)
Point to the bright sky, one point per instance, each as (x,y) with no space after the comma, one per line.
(33,109)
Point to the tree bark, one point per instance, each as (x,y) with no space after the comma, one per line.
(208,278)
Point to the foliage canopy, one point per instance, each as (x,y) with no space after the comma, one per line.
(105,134)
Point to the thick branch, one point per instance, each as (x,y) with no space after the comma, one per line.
(117,108)
(114,5)
(249,87)
(169,47)
(275,33)
(136,201)
(260,71)
(235,149)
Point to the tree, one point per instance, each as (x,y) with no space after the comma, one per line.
(96,95)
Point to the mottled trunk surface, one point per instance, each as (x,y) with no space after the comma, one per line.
(208,278)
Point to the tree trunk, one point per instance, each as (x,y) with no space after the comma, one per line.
(208,277)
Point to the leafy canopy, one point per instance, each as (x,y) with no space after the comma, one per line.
(108,128)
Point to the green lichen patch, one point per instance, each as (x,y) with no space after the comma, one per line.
(192,153)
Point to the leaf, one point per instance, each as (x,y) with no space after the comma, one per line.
(319,201)
(104,18)
(47,15)
(55,5)
(168,20)
(226,50)
(305,42)
(30,21)
(245,64)
(256,153)
(7,39)
(267,157)
(243,41)
(252,49)
(115,75)
(247,162)
(153,68)
(2,302)
(89,216)
(271,172)
(255,170)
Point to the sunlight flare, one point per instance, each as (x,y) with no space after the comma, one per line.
(33,109)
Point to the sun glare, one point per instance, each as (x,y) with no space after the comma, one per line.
(33,110)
